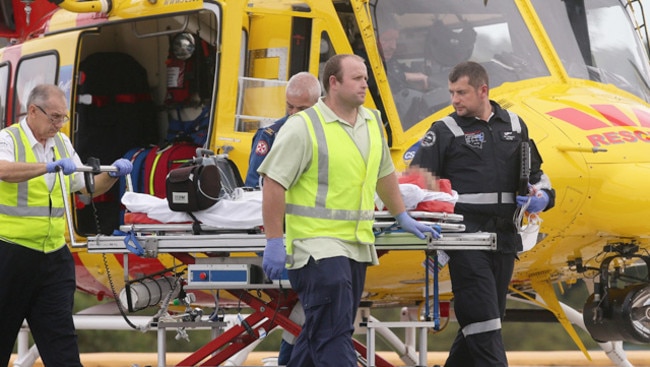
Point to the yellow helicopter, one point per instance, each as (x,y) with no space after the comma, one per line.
(577,73)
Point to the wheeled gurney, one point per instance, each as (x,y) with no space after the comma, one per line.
(239,275)
(236,267)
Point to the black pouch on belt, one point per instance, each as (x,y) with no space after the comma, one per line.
(192,188)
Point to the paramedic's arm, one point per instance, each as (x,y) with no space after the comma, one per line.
(103,183)
(388,191)
(12,171)
(387,184)
(15,172)
(105,180)
(273,208)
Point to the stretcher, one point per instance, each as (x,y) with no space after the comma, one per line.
(179,237)
(241,275)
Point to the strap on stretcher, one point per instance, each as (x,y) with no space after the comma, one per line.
(130,241)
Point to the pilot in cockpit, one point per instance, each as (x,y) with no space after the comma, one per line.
(399,76)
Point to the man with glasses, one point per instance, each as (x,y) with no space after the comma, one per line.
(36,266)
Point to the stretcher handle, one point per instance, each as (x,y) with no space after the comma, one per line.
(66,200)
(66,205)
(96,169)
(99,169)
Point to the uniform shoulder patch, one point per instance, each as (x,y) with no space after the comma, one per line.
(429,139)
(262,148)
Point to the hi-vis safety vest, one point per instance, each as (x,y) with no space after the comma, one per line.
(335,197)
(30,214)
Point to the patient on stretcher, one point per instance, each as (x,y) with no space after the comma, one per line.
(243,209)
(421,191)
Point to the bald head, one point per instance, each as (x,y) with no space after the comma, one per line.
(303,91)
(41,94)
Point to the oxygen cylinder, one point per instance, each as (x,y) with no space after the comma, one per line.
(148,292)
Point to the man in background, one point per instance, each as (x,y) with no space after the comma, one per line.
(303,90)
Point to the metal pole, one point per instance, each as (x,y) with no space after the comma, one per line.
(422,347)
(161,346)
(370,352)
(66,205)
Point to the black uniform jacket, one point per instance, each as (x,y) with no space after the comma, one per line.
(485,158)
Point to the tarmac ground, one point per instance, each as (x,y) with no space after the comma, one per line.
(515,359)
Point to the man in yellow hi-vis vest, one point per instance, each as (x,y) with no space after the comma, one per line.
(322,174)
(36,266)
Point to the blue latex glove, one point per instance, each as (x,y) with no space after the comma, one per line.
(538,202)
(64,164)
(275,256)
(123,166)
(413,226)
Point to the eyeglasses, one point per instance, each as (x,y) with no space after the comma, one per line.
(56,118)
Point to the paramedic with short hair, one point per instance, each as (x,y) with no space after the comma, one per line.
(303,91)
(36,266)
(478,149)
(323,171)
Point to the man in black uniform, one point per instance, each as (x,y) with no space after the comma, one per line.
(478,149)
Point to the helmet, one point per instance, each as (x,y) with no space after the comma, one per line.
(183,46)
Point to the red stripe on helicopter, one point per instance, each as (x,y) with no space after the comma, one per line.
(643,116)
(611,113)
(614,115)
(578,118)
(86,281)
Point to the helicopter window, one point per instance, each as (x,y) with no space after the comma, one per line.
(32,71)
(326,50)
(590,48)
(4,87)
(420,41)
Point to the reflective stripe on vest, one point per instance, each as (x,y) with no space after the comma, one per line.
(487,198)
(319,204)
(31,214)
(482,327)
(452,125)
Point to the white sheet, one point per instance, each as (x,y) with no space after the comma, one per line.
(244,209)
(412,195)
(242,212)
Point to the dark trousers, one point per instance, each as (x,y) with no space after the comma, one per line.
(40,288)
(480,282)
(330,290)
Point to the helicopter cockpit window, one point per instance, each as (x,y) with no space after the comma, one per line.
(590,48)
(420,41)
